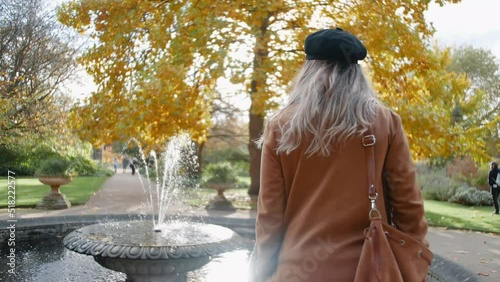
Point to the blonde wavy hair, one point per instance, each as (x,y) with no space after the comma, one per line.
(332,103)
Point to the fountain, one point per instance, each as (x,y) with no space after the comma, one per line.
(165,254)
(156,249)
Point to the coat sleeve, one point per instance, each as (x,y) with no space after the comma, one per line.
(404,195)
(269,226)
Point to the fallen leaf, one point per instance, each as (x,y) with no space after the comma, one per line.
(483,274)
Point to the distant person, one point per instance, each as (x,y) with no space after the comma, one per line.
(492,180)
(132,166)
(125,164)
(115,164)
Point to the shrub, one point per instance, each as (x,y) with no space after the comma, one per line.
(242,168)
(103,171)
(481,180)
(463,169)
(464,166)
(21,158)
(238,157)
(435,184)
(83,166)
(18,168)
(26,156)
(54,166)
(471,196)
(231,154)
(219,173)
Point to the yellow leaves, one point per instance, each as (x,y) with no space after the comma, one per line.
(157,62)
(74,13)
(459,83)
(410,77)
(142,63)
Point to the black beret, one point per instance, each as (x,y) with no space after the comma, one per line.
(334,45)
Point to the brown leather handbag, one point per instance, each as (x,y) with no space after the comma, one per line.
(388,254)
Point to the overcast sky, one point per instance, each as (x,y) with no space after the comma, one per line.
(472,22)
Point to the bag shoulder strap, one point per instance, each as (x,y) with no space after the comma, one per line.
(368,142)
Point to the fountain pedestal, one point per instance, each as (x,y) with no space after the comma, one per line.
(143,254)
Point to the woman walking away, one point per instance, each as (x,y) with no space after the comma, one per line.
(313,204)
(492,180)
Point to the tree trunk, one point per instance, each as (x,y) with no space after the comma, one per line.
(199,155)
(256,114)
(255,126)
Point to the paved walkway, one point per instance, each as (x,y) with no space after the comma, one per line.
(123,193)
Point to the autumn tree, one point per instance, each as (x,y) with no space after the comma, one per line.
(157,64)
(431,118)
(36,59)
(482,69)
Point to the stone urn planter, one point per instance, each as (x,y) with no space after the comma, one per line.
(220,202)
(54,173)
(220,177)
(55,200)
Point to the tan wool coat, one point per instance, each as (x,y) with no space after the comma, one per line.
(312,211)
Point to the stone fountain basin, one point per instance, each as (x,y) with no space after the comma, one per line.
(133,247)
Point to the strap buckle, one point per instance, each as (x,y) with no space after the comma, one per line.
(368,140)
(374,212)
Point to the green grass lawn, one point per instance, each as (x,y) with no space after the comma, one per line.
(29,191)
(461,217)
